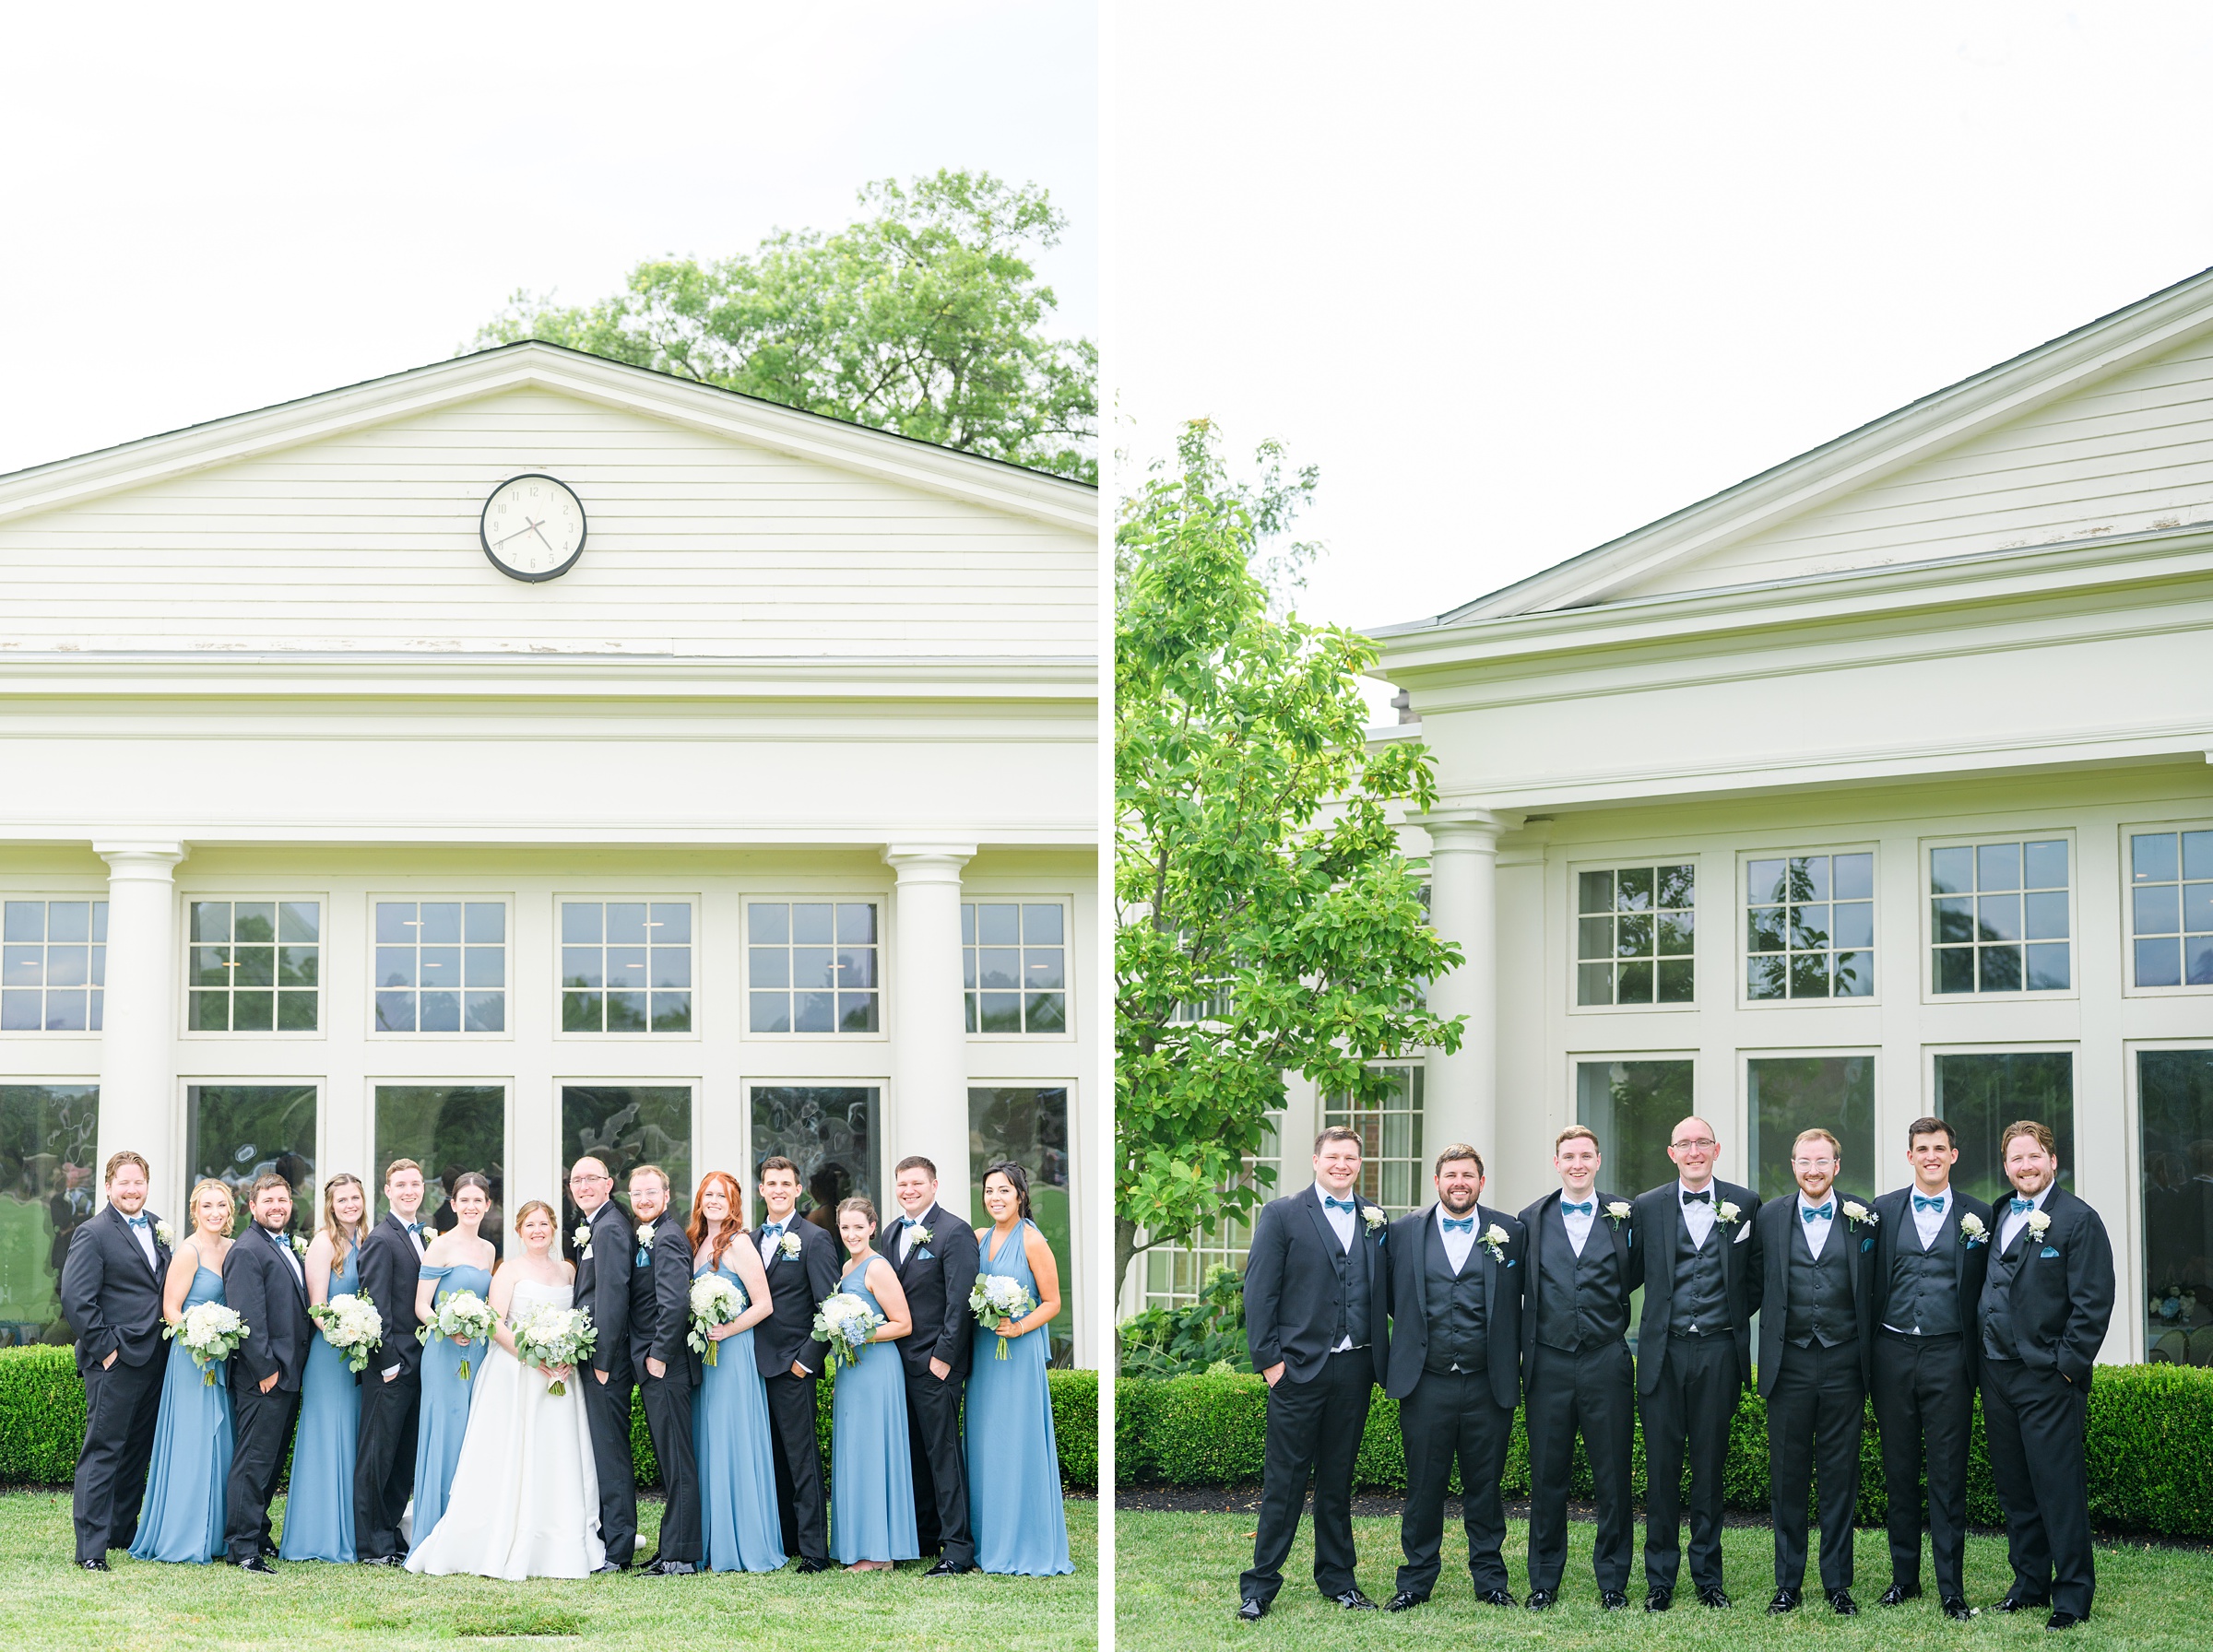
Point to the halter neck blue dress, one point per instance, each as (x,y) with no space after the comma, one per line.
(1014,1506)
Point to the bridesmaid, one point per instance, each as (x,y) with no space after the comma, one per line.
(457,1260)
(183,1517)
(1013,1465)
(871,1480)
(318,1511)
(739,1524)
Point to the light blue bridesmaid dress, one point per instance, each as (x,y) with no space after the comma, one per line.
(1013,1465)
(443,1418)
(739,1523)
(318,1511)
(181,1518)
(871,1477)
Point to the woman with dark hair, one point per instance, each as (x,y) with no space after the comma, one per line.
(1013,1462)
(872,1471)
(318,1512)
(458,1260)
(740,1527)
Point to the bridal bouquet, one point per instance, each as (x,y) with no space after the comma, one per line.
(846,1323)
(351,1324)
(552,1337)
(714,1301)
(211,1332)
(459,1314)
(996,1299)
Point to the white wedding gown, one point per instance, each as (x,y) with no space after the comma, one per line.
(526,1498)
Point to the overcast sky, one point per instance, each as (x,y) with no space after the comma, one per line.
(1520,279)
(207,210)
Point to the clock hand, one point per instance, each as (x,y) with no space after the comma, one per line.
(541,538)
(518,533)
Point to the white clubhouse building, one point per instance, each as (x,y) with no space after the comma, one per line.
(727,789)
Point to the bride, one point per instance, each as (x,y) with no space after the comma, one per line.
(525,1501)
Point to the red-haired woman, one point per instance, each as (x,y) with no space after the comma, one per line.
(738,1525)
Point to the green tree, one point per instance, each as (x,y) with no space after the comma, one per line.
(924,317)
(1266,921)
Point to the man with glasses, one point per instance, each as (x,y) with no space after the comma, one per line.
(1701,1278)
(605,1235)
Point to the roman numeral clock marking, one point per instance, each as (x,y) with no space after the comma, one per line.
(532,527)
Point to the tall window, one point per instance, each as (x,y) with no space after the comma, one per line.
(1790,1093)
(830,1131)
(1809,927)
(812,967)
(1391,1171)
(440,966)
(448,1129)
(2170,907)
(236,1132)
(1633,935)
(1980,1094)
(2174,1098)
(1173,1273)
(624,1125)
(1029,1125)
(53,963)
(1998,916)
(1015,966)
(49,1189)
(1633,1107)
(256,966)
(625,966)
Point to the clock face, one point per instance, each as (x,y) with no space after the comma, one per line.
(532,528)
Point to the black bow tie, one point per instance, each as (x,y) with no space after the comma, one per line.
(1705,1196)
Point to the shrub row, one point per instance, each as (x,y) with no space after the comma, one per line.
(2149,1447)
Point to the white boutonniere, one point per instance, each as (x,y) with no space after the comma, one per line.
(582,1236)
(1726,1211)
(299,1246)
(790,1244)
(2038,1221)
(1618,1211)
(645,1235)
(1971,1228)
(1373,1217)
(162,1235)
(1855,1213)
(923,1236)
(1494,1240)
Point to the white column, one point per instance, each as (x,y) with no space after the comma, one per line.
(929,1104)
(1463,1100)
(138,1076)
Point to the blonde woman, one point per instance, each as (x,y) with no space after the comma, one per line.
(318,1513)
(184,1512)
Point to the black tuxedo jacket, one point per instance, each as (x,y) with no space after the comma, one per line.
(390,1270)
(1775,1240)
(603,1287)
(796,1286)
(1291,1285)
(2063,1302)
(1621,1234)
(1970,1262)
(1658,1216)
(271,1298)
(660,1303)
(937,1279)
(1406,1255)
(110,1294)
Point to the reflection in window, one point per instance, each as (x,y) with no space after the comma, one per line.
(1633,1107)
(1391,1170)
(54,965)
(2170,907)
(254,966)
(1790,1093)
(1029,1125)
(237,1132)
(1998,915)
(829,1131)
(624,1125)
(1633,935)
(1015,966)
(448,1129)
(2174,1095)
(1809,927)
(440,966)
(49,1188)
(811,966)
(625,966)
(1173,1273)
(1979,1095)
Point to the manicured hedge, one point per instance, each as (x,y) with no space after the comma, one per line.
(2149,1447)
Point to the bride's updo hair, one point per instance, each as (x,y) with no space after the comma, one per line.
(696,1228)
(523,1215)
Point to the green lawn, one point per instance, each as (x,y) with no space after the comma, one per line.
(1176,1587)
(45,1601)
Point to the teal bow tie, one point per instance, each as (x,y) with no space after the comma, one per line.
(1584,1208)
(1921,1202)
(1465,1224)
(1817,1212)
(2020,1204)
(137,1221)
(1346,1205)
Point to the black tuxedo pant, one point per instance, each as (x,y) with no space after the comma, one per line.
(2033,1420)
(668,1421)
(261,1432)
(1924,1409)
(122,1406)
(940,1474)
(1314,1428)
(1816,1417)
(1453,1417)
(383,1460)
(607,1413)
(1595,1393)
(1691,1408)
(797,1451)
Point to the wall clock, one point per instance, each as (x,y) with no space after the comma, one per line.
(532,527)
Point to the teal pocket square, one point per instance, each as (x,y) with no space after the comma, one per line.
(2048,1251)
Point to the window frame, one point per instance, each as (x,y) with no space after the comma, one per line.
(1210,1246)
(1926,965)
(186,898)
(749,1184)
(48,893)
(695,1083)
(2129,1260)
(1736,1139)
(2070,1154)
(1069,1032)
(2129,988)
(1572,903)
(1869,1179)
(879,898)
(512,990)
(692,898)
(181,1127)
(1741,953)
(1423,1155)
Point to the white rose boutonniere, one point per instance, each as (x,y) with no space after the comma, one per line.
(1373,1217)
(1726,1211)
(1855,1213)
(1971,1228)
(163,1236)
(2038,1221)
(582,1236)
(299,1246)
(1618,1211)
(1494,1240)
(645,1235)
(790,1244)
(923,1236)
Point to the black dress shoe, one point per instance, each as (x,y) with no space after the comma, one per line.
(1496,1596)
(808,1563)
(93,1566)
(1540,1598)
(1957,1609)
(1897,1594)
(2013,1602)
(658,1567)
(1251,1611)
(1658,1600)
(1842,1604)
(257,1564)
(1404,1600)
(945,1568)
(609,1565)
(1613,1600)
(268,1551)
(2062,1620)
(1353,1600)
(1713,1595)
(1785,1601)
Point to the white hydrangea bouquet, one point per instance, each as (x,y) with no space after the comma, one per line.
(211,1333)
(846,1324)
(351,1324)
(460,1315)
(714,1301)
(554,1337)
(997,1298)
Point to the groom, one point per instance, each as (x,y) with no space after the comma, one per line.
(383,1464)
(601,1246)
(266,1282)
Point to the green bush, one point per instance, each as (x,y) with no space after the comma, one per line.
(1205,1335)
(2150,1446)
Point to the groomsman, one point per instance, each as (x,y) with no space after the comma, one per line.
(1815,1344)
(1576,1371)
(1455,1369)
(601,1246)
(1701,1279)
(2047,1298)
(383,1464)
(801,1259)
(1932,1243)
(111,1295)
(266,1282)
(934,1253)
(1317,1324)
(660,1322)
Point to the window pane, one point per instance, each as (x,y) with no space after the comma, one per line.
(672,1012)
(2197,853)
(624,1125)
(1041,969)
(1854,922)
(1954,918)
(2046,865)
(768,1013)
(998,923)
(396,922)
(1047,1012)
(1029,1126)
(439,1012)
(2048,969)
(50,1170)
(485,1012)
(810,923)
(69,920)
(1595,938)
(1998,918)
(236,1132)
(1997,969)
(1809,975)
(2198,907)
(1764,978)
(829,1132)
(1041,924)
(441,923)
(770,966)
(1636,983)
(1594,984)
(580,1013)
(1674,981)
(254,920)
(486,923)
(2174,1090)
(580,966)
(1672,935)
(626,923)
(2159,909)
(300,920)
(2197,960)
(25,920)
(672,924)
(1792,1094)
(626,1012)
(2160,962)
(2047,916)
(1594,892)
(1855,975)
(1633,1106)
(1954,969)
(447,1130)
(1678,886)
(253,1012)
(857,925)
(1763,928)
(2151,857)
(485,966)
(1998,867)
(1951,871)
(1979,1095)
(396,1012)
(1809,878)
(581,923)
(768,922)
(1633,889)
(814,1012)
(1854,877)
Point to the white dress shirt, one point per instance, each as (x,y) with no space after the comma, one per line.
(771,1235)
(1456,1243)
(285,1246)
(1930,1222)
(1340,1224)
(1816,1231)
(909,1238)
(1698,1217)
(1580,1223)
(2014,1220)
(145,1236)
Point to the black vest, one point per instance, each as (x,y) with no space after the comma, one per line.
(1820,1306)
(1924,1284)
(1458,1311)
(1997,1295)
(1352,1268)
(1579,1303)
(1701,1294)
